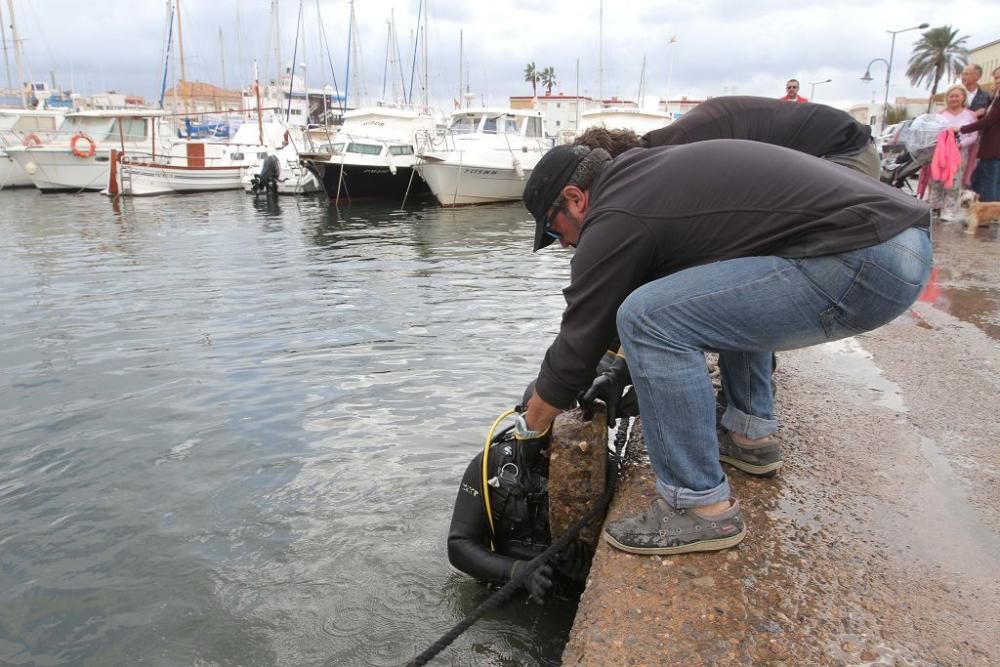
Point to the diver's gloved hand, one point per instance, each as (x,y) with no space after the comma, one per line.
(574,562)
(538,584)
(608,388)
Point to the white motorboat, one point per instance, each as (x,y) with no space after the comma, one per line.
(486,155)
(79,156)
(373,154)
(23,127)
(639,121)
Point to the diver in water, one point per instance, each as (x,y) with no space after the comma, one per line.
(501,516)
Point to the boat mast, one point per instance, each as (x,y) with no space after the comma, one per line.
(180,48)
(6,58)
(461,55)
(427,100)
(256,90)
(277,48)
(347,74)
(600,58)
(17,53)
(166,54)
(222,57)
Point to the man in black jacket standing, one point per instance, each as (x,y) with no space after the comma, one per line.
(737,247)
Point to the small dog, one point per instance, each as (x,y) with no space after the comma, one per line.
(978,213)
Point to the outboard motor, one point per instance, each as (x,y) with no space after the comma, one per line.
(267,179)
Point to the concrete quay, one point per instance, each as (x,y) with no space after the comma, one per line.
(877,543)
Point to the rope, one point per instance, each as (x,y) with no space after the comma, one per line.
(502,595)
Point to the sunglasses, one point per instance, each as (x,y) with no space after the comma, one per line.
(548,224)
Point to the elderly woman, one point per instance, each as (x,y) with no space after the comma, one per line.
(944,196)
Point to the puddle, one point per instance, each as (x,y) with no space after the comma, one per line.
(853,363)
(979,306)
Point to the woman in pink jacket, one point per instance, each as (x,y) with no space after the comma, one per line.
(944,195)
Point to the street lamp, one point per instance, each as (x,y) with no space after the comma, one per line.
(888,70)
(812,88)
(867,78)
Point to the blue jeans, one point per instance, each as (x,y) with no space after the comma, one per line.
(986,180)
(745,309)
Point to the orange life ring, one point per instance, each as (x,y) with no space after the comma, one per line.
(91,148)
(32,139)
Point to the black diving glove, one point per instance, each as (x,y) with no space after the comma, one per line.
(538,584)
(608,388)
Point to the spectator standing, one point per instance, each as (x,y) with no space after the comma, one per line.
(977,100)
(944,196)
(792,92)
(986,180)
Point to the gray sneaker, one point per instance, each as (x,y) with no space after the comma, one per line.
(764,460)
(665,530)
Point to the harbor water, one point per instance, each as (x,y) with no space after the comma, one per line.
(232,428)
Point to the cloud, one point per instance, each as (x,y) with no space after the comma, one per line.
(722,46)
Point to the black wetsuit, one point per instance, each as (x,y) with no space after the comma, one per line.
(520,507)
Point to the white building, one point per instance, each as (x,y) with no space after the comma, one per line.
(561,112)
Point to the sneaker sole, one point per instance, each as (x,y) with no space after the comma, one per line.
(769,470)
(701,545)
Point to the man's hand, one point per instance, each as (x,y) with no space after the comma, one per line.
(608,388)
(538,584)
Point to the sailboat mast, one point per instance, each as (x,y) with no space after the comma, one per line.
(427,92)
(6,58)
(222,58)
(17,53)
(460,56)
(180,48)
(277,45)
(600,58)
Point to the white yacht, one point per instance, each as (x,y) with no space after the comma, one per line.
(373,154)
(639,121)
(79,155)
(23,127)
(486,155)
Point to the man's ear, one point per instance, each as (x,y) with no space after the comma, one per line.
(576,199)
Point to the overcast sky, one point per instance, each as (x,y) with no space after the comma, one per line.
(722,46)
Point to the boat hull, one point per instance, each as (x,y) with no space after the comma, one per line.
(140,179)
(466,185)
(59,170)
(369,181)
(11,174)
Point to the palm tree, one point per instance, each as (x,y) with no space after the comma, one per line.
(531,75)
(939,52)
(548,79)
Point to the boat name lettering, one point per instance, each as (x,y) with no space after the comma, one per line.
(482,172)
(375,171)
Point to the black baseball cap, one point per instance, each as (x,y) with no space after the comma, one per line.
(547,180)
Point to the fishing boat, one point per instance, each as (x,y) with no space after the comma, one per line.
(373,154)
(485,155)
(197,166)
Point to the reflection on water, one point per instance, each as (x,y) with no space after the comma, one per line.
(963,282)
(232,428)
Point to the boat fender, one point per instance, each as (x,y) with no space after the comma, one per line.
(75,146)
(32,139)
(518,169)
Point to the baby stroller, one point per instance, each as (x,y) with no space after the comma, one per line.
(920,138)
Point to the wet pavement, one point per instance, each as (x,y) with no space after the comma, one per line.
(879,541)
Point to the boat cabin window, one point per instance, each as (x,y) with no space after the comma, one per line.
(238,156)
(336,149)
(401,150)
(97,128)
(534,127)
(29,123)
(364,149)
(132,129)
(464,123)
